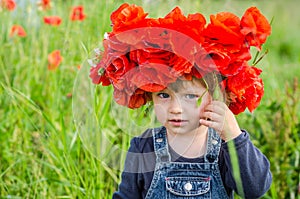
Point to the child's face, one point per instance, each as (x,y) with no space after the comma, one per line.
(177,109)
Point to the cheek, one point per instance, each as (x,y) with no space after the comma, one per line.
(160,112)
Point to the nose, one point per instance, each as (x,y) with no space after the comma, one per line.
(175,106)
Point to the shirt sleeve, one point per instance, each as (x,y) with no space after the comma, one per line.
(254,168)
(130,185)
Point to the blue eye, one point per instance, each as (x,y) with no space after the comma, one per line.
(191,96)
(163,95)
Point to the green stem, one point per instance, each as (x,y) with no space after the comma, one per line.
(235,167)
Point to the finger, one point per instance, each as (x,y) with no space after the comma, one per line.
(216,107)
(211,115)
(217,124)
(212,124)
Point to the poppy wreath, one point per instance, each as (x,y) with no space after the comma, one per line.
(143,54)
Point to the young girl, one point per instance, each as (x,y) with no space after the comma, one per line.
(188,156)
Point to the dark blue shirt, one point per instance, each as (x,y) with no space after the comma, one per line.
(140,164)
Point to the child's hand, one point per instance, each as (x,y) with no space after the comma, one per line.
(220,117)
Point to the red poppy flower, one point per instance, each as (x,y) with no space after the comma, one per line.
(18,31)
(144,55)
(127,16)
(184,45)
(193,23)
(44,4)
(77,14)
(180,65)
(151,77)
(224,29)
(137,99)
(53,20)
(246,89)
(54,59)
(99,78)
(150,55)
(255,27)
(132,100)
(237,107)
(69,95)
(117,69)
(213,58)
(8,4)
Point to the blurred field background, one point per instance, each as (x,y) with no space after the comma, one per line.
(46,153)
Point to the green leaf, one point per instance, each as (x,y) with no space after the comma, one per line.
(199,101)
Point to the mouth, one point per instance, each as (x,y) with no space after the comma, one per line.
(177,122)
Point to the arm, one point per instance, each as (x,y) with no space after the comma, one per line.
(254,168)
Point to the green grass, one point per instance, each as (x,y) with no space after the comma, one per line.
(56,146)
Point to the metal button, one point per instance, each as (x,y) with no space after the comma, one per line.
(214,142)
(188,186)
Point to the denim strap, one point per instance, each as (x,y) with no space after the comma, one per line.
(213,146)
(161,145)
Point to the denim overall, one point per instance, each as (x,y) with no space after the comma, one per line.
(172,180)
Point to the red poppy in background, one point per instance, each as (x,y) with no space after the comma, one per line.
(44,4)
(53,20)
(54,59)
(8,4)
(18,31)
(77,14)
